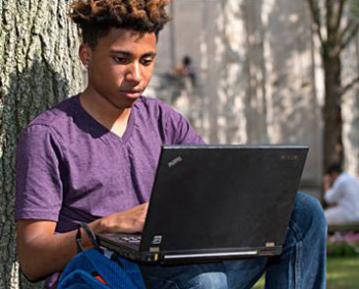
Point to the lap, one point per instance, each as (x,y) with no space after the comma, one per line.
(307,216)
(220,275)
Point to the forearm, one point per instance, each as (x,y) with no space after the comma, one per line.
(45,254)
(329,193)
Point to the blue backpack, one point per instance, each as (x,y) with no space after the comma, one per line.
(91,269)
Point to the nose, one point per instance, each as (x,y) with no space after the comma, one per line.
(134,72)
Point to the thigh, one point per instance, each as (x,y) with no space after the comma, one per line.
(302,263)
(199,276)
(244,273)
(233,274)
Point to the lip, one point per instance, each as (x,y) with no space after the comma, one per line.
(132,93)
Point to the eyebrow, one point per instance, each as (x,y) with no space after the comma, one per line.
(129,54)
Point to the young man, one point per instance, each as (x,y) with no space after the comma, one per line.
(342,192)
(93,157)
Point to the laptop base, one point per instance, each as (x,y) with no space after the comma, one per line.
(133,253)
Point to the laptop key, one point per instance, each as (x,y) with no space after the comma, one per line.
(131,239)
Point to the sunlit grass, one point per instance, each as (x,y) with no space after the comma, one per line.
(259,284)
(342,273)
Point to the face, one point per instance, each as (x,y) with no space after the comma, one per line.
(120,66)
(334,176)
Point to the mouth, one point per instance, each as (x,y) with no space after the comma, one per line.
(131,93)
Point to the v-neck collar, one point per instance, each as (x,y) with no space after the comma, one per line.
(101,128)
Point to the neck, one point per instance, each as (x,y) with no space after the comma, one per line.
(106,113)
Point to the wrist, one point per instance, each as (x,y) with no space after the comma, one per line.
(85,238)
(83,241)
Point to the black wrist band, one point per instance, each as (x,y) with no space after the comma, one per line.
(90,234)
(80,248)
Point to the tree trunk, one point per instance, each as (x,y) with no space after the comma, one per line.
(332,132)
(38,68)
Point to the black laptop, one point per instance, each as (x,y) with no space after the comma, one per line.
(216,202)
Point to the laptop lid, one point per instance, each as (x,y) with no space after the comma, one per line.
(223,198)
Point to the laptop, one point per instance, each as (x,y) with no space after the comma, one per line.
(218,202)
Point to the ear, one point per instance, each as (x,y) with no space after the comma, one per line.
(85,53)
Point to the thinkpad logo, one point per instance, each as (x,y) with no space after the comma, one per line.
(289,157)
(156,240)
(175,162)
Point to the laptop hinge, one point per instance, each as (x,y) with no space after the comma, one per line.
(209,255)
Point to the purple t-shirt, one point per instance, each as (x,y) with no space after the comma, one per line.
(71,169)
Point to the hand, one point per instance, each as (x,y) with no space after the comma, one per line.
(130,221)
(327,180)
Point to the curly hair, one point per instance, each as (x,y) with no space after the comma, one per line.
(96,18)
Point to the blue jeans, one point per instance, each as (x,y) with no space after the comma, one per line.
(300,266)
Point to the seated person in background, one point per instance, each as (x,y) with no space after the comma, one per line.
(341,191)
(186,69)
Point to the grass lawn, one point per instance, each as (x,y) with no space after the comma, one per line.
(342,273)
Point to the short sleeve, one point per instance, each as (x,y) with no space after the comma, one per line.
(179,131)
(38,176)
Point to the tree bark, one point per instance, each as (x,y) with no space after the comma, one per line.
(38,68)
(336,40)
(332,131)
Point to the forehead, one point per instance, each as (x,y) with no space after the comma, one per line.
(134,42)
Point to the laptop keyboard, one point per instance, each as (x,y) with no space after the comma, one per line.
(131,239)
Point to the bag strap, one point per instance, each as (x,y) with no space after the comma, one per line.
(78,239)
(89,233)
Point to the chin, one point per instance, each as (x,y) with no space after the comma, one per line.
(127,102)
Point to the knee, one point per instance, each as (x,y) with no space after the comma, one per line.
(309,216)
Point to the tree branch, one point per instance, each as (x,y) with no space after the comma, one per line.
(349,85)
(315,12)
(340,14)
(346,36)
(347,28)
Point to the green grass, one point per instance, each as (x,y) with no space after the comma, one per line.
(342,273)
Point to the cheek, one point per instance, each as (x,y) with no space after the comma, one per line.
(147,74)
(109,80)
(115,74)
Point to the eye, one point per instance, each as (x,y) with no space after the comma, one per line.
(121,60)
(147,61)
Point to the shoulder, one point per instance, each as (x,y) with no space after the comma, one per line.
(52,121)
(346,178)
(173,125)
(59,113)
(154,106)
(157,111)
(345,181)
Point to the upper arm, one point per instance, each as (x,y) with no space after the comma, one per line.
(38,175)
